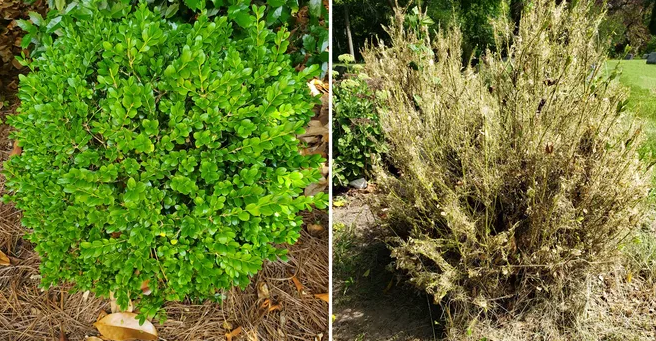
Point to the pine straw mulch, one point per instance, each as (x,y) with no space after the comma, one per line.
(29,313)
(615,310)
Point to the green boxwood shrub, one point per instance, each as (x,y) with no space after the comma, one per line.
(308,42)
(163,153)
(357,135)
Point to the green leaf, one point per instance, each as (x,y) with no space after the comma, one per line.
(36,18)
(195,4)
(171,10)
(276,3)
(315,8)
(60,4)
(253,209)
(132,183)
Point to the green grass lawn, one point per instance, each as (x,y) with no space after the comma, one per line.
(641,80)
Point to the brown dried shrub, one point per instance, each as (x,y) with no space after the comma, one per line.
(516,178)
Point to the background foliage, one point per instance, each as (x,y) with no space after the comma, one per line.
(357,135)
(309,19)
(628,22)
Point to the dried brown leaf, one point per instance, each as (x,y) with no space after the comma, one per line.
(263,290)
(324,297)
(277,306)
(145,288)
(317,187)
(4,260)
(298,285)
(125,327)
(233,333)
(16,64)
(17,150)
(101,315)
(315,229)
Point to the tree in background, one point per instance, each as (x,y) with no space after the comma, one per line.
(358,22)
(652,21)
(628,23)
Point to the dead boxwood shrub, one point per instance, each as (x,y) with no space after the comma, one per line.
(519,176)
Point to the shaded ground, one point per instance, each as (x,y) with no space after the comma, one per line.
(369,301)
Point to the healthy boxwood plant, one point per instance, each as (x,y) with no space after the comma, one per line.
(162,156)
(357,134)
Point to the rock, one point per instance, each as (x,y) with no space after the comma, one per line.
(360,183)
(652,58)
(341,69)
(629,56)
(644,56)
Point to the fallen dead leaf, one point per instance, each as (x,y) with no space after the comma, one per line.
(316,187)
(263,290)
(315,229)
(145,288)
(317,87)
(324,297)
(233,333)
(17,150)
(85,295)
(277,306)
(4,260)
(125,327)
(315,130)
(16,64)
(298,285)
(112,303)
(101,315)
(93,338)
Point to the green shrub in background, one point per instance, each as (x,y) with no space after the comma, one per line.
(161,153)
(308,42)
(519,179)
(357,135)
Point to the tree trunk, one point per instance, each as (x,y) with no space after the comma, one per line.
(652,22)
(348,31)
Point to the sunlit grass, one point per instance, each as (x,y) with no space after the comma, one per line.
(641,79)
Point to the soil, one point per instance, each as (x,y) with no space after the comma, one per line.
(370,301)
